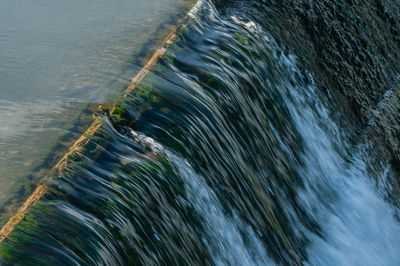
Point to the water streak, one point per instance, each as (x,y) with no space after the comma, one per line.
(225,154)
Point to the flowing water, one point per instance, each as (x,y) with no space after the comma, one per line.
(225,154)
(58,59)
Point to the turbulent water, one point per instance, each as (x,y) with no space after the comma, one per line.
(225,154)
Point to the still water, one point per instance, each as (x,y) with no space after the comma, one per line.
(225,154)
(58,60)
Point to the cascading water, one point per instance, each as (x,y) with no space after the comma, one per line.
(222,233)
(224,154)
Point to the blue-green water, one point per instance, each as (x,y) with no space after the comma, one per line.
(58,59)
(225,154)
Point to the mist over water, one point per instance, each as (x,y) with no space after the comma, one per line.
(225,154)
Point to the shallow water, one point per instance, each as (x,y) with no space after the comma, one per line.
(225,154)
(58,59)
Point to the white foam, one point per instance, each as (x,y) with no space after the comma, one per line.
(195,9)
(358,226)
(224,240)
(223,233)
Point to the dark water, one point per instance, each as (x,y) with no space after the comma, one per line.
(225,154)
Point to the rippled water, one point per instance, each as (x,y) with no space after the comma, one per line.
(225,154)
(58,59)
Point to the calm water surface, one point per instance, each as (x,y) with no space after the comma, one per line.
(56,59)
(226,153)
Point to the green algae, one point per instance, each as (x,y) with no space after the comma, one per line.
(55,148)
(46,214)
(49,154)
